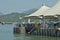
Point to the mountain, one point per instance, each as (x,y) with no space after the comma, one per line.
(30,11)
(14,17)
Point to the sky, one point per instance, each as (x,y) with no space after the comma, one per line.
(9,6)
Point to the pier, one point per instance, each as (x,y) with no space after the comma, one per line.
(39,29)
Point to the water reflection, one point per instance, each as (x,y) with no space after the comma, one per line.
(22,37)
(33,37)
(6,33)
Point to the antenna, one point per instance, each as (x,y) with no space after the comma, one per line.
(44,3)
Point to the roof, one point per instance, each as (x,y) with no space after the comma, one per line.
(39,12)
(54,10)
(46,11)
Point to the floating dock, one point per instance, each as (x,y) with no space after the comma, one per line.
(53,29)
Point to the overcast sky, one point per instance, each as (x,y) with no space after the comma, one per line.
(8,6)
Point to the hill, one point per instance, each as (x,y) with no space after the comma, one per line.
(14,17)
(30,11)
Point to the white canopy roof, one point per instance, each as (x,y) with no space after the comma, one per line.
(54,10)
(39,12)
(44,11)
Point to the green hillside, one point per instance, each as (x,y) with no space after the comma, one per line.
(13,17)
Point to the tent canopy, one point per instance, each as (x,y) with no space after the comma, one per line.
(46,11)
(39,12)
(54,10)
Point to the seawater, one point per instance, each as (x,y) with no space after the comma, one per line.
(6,33)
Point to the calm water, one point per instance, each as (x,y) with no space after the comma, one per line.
(6,33)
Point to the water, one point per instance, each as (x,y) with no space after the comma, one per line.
(6,33)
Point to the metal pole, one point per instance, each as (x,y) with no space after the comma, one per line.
(28,20)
